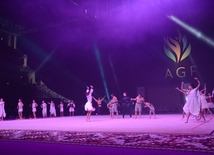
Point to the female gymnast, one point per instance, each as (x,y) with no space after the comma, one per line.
(88,106)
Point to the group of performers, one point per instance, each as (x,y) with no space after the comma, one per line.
(34,105)
(197,103)
(70,105)
(126,104)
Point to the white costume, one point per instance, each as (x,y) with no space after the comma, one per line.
(52,109)
(61,107)
(34,107)
(193,103)
(88,105)
(2,110)
(71,106)
(20,107)
(204,104)
(209,102)
(44,109)
(210,105)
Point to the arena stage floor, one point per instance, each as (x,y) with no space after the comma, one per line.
(164,123)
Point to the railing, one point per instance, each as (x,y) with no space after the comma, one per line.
(42,87)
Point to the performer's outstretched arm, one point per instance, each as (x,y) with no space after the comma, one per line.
(198,83)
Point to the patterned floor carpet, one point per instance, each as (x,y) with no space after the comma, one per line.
(180,142)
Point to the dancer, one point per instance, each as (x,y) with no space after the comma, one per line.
(213,94)
(204,105)
(192,105)
(109,106)
(2,110)
(151,109)
(209,101)
(34,105)
(61,109)
(126,105)
(88,106)
(185,92)
(211,104)
(52,109)
(138,105)
(71,106)
(20,108)
(99,104)
(44,109)
(113,106)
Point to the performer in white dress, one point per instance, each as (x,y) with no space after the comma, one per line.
(52,109)
(20,108)
(192,105)
(61,109)
(212,94)
(209,101)
(2,110)
(34,105)
(44,109)
(88,106)
(204,105)
(71,107)
(185,92)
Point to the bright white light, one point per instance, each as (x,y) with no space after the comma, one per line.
(192,30)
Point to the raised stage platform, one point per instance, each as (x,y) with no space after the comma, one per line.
(162,124)
(167,134)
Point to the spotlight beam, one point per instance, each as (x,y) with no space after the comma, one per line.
(114,74)
(101,71)
(46,59)
(192,30)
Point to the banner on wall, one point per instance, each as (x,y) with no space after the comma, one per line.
(177,49)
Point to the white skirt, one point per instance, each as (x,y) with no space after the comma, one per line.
(71,109)
(89,107)
(210,105)
(2,112)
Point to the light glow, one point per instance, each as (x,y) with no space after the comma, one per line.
(192,30)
